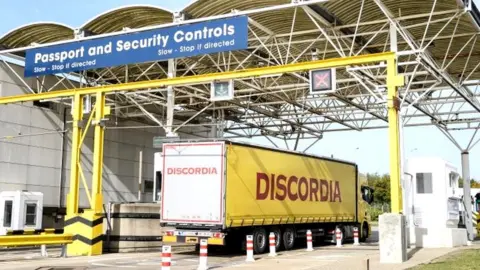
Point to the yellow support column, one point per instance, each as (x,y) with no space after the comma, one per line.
(87,227)
(72,217)
(393,81)
(95,214)
(77,115)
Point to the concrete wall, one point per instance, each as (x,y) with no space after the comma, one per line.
(32,158)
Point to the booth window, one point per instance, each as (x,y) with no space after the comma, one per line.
(148,186)
(424,183)
(158,182)
(7,216)
(31,214)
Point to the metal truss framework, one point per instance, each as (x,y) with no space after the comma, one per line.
(440,90)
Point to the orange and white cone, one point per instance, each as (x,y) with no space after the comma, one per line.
(338,236)
(355,237)
(271,241)
(166,257)
(309,241)
(202,262)
(250,249)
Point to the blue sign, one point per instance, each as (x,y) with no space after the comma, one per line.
(153,45)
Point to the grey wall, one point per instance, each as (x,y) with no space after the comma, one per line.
(32,158)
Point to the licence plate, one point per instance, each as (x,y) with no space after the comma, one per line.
(191,240)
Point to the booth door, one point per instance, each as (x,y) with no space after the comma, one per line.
(6,214)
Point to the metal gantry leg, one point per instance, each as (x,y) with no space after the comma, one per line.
(466,194)
(86,227)
(72,197)
(170,99)
(393,81)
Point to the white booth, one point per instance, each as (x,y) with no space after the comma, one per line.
(433,203)
(20,210)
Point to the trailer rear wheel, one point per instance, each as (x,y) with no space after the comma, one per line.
(260,240)
(288,238)
(278,238)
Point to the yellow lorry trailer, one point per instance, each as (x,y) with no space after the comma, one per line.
(223,191)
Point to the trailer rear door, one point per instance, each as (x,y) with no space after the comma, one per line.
(193,183)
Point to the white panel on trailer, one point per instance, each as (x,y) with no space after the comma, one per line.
(200,167)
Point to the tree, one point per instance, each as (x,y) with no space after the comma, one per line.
(473,183)
(381,186)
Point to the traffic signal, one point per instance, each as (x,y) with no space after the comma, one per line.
(323,81)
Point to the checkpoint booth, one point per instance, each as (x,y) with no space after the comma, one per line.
(433,203)
(20,210)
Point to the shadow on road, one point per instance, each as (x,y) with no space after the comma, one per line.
(412,252)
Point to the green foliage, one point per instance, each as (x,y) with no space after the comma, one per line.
(374,212)
(473,183)
(381,187)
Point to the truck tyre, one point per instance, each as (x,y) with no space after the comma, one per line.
(260,240)
(288,238)
(364,233)
(278,238)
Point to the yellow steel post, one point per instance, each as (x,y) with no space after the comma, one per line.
(95,213)
(87,227)
(77,115)
(393,81)
(98,152)
(72,215)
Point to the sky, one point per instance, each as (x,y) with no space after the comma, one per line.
(367,148)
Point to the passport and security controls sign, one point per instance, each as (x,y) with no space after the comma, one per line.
(146,46)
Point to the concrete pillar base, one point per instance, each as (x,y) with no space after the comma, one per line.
(393,246)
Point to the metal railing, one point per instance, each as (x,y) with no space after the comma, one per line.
(42,238)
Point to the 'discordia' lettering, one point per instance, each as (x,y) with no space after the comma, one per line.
(192,170)
(280,187)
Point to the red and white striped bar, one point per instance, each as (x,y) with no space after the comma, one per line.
(271,241)
(166,257)
(356,241)
(309,241)
(250,249)
(202,262)
(338,235)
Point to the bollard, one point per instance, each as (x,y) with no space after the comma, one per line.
(43,250)
(250,249)
(202,262)
(355,237)
(367,264)
(271,240)
(166,257)
(309,241)
(338,235)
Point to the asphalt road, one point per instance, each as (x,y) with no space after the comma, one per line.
(324,255)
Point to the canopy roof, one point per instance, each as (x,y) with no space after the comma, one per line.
(437,44)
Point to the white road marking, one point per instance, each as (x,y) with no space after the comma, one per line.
(332,256)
